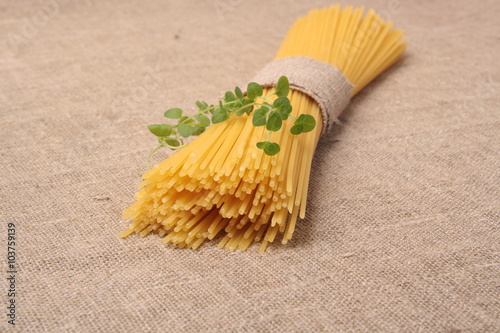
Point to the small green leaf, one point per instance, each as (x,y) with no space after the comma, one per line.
(160,129)
(307,121)
(203,120)
(285,111)
(244,106)
(274,121)
(202,105)
(282,87)
(281,102)
(254,90)
(238,92)
(262,144)
(246,102)
(259,117)
(233,106)
(220,114)
(296,129)
(174,113)
(248,109)
(185,130)
(171,142)
(270,148)
(198,129)
(229,97)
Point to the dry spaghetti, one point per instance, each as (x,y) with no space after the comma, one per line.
(221,184)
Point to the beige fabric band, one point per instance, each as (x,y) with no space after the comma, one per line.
(320,80)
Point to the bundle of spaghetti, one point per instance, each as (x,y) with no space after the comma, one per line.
(221,185)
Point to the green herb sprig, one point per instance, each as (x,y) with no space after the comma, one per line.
(266,112)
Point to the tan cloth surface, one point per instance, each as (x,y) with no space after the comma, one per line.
(402,228)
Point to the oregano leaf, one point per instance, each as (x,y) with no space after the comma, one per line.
(244,109)
(241,111)
(174,113)
(282,86)
(281,102)
(202,119)
(160,130)
(285,111)
(259,117)
(307,121)
(185,130)
(229,96)
(262,144)
(171,142)
(254,90)
(238,92)
(270,148)
(220,114)
(198,129)
(200,105)
(274,121)
(296,129)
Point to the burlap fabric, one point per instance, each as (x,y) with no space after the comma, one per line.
(402,228)
(319,80)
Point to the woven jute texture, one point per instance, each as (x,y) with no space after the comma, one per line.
(319,80)
(402,228)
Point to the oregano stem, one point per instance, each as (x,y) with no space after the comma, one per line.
(148,166)
(270,113)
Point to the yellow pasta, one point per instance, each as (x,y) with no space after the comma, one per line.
(221,185)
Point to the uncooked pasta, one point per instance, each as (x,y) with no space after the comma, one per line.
(221,186)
